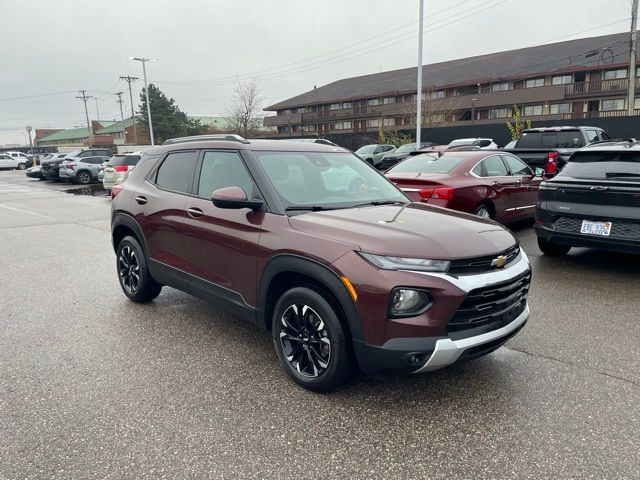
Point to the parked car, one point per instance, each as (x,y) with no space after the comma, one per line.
(22,160)
(494,185)
(117,169)
(551,147)
(34,172)
(390,159)
(593,202)
(50,168)
(81,169)
(374,153)
(482,143)
(342,277)
(8,162)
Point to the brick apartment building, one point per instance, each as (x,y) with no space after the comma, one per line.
(577,79)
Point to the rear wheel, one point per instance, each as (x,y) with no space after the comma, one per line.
(21,166)
(133,273)
(83,177)
(553,249)
(484,211)
(310,340)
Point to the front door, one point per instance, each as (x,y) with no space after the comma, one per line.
(504,186)
(222,244)
(527,186)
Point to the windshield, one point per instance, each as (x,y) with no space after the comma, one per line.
(622,166)
(326,180)
(366,149)
(427,164)
(409,147)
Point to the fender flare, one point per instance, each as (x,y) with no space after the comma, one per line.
(319,272)
(126,220)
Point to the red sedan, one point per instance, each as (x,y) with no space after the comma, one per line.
(493,184)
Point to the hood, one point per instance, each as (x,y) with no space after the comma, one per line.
(413,230)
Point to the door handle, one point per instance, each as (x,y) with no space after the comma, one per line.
(141,200)
(195,212)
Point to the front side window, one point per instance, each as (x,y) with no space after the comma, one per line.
(221,169)
(592,135)
(326,180)
(176,171)
(517,167)
(492,166)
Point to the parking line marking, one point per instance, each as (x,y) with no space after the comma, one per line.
(24,211)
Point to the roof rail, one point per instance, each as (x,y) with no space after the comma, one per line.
(196,138)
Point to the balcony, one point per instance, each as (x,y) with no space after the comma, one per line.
(281,120)
(598,88)
(603,114)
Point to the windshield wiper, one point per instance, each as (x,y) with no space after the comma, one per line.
(377,203)
(310,208)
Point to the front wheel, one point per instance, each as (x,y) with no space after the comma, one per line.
(310,340)
(553,249)
(135,280)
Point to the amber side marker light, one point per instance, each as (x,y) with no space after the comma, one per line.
(350,287)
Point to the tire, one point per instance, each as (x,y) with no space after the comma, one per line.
(310,341)
(83,178)
(484,211)
(552,249)
(130,260)
(21,166)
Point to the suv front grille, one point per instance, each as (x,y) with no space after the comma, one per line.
(625,229)
(482,264)
(492,307)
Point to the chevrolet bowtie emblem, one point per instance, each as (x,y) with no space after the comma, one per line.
(499,262)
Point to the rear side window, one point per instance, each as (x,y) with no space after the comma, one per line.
(620,166)
(224,169)
(176,172)
(564,139)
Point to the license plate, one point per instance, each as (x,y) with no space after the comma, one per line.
(596,228)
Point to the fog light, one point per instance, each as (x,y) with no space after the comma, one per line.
(418,358)
(407,302)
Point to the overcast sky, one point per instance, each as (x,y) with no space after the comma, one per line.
(54,46)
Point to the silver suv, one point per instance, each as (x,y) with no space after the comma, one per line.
(81,170)
(117,169)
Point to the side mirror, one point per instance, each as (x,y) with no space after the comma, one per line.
(539,172)
(234,198)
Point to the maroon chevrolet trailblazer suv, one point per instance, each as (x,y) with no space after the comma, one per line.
(313,244)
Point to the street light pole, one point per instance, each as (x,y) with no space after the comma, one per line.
(419,86)
(146,91)
(632,59)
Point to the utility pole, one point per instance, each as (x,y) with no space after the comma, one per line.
(419,87)
(632,59)
(146,91)
(129,79)
(84,97)
(97,111)
(119,102)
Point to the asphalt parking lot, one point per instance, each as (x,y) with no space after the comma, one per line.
(94,386)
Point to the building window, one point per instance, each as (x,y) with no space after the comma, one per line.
(310,128)
(374,122)
(437,95)
(556,108)
(615,104)
(636,103)
(500,87)
(534,82)
(498,113)
(389,122)
(561,79)
(334,106)
(285,112)
(531,110)
(346,105)
(387,100)
(372,102)
(615,74)
(347,125)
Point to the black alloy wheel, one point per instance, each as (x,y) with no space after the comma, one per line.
(129,270)
(304,340)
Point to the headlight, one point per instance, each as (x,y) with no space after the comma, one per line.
(408,302)
(403,263)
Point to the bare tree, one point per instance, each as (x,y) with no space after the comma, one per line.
(244,115)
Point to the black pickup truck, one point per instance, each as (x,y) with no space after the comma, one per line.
(550,147)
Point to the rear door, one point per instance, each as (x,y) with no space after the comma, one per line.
(159,208)
(222,244)
(6,161)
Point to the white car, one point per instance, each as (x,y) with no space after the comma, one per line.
(481,143)
(7,161)
(23,160)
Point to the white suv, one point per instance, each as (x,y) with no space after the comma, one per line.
(21,158)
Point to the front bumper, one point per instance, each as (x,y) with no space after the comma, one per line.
(65,174)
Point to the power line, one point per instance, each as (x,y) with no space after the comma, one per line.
(36,96)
